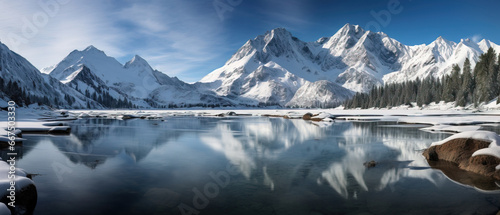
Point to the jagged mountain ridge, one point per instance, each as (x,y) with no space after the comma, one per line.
(353,58)
(272,69)
(38,87)
(91,71)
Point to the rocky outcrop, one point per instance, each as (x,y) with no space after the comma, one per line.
(307,116)
(459,151)
(25,193)
(25,202)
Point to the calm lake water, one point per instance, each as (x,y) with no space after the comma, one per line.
(250,165)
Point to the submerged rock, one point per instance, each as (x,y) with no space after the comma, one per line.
(370,164)
(453,172)
(460,152)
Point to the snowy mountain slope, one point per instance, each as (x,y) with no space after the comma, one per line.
(437,59)
(272,69)
(135,74)
(321,93)
(484,45)
(270,84)
(91,71)
(86,82)
(277,46)
(367,56)
(40,87)
(353,58)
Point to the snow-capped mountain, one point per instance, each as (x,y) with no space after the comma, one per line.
(437,58)
(353,58)
(36,86)
(102,71)
(94,73)
(272,69)
(253,74)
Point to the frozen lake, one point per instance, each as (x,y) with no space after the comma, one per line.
(243,165)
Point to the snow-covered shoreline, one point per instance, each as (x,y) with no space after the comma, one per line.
(449,120)
(416,116)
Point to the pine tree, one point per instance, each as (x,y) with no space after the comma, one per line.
(447,89)
(493,75)
(483,74)
(2,83)
(456,81)
(464,95)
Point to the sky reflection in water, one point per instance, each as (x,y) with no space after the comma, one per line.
(283,167)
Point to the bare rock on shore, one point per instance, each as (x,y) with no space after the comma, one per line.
(25,191)
(307,116)
(460,152)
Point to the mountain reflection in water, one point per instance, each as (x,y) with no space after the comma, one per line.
(284,167)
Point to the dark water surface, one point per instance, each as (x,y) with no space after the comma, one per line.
(252,165)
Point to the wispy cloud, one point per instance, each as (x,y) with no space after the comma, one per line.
(175,36)
(59,29)
(289,14)
(477,38)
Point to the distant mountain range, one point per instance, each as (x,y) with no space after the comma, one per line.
(272,69)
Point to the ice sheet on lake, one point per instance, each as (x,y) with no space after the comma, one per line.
(451,128)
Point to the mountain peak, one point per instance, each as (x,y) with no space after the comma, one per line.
(350,30)
(91,50)
(137,58)
(440,41)
(137,61)
(485,43)
(279,30)
(279,33)
(350,26)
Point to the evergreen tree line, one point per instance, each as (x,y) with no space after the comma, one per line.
(105,99)
(463,86)
(23,97)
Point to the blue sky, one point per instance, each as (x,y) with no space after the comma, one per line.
(190,38)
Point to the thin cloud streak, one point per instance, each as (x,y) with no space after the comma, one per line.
(476,38)
(174,36)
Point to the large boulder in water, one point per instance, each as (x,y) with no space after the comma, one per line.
(307,116)
(475,151)
(25,191)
